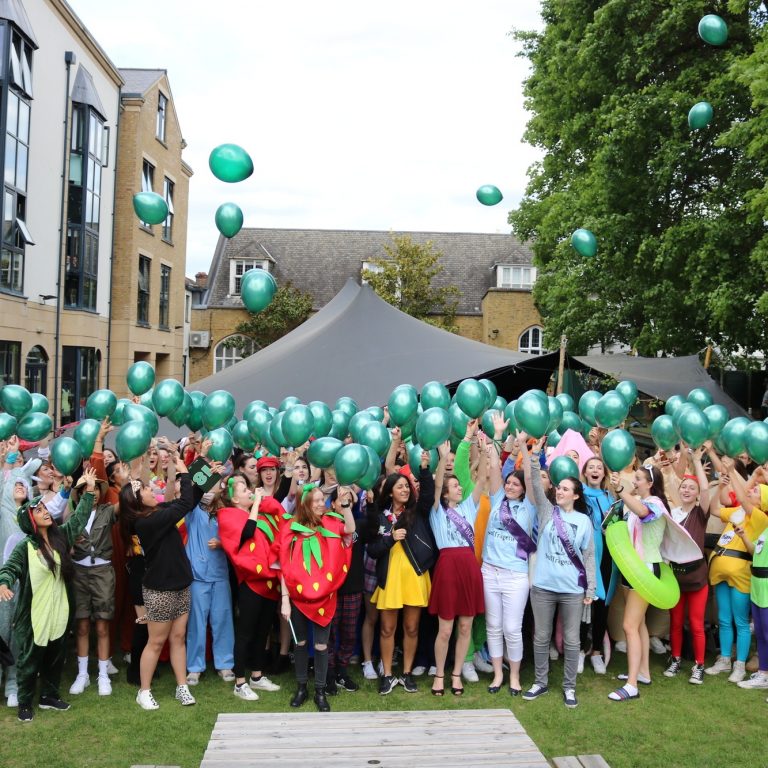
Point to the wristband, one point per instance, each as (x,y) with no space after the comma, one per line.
(620,490)
(11,457)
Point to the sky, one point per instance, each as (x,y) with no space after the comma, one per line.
(357,115)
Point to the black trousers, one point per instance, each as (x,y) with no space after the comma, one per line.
(256,614)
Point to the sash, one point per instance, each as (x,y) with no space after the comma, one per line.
(462,526)
(562,534)
(525,545)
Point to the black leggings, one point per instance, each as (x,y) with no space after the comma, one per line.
(320,635)
(252,629)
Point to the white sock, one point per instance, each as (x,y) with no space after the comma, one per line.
(103,665)
(82,665)
(630,689)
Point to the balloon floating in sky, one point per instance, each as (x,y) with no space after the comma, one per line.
(230,163)
(713,29)
(257,289)
(229,219)
(488,194)
(584,243)
(150,207)
(700,115)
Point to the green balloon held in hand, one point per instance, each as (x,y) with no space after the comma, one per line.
(8,426)
(403,404)
(663,432)
(734,436)
(323,418)
(276,434)
(713,29)
(433,428)
(628,390)
(16,400)
(40,403)
(700,115)
(587,403)
(229,219)
(570,420)
(532,414)
(757,441)
(435,395)
(218,409)
(694,427)
(167,396)
(489,194)
(150,207)
(140,378)
(471,398)
(375,435)
(584,243)
(298,423)
(100,404)
(672,404)
(350,406)
(181,414)
(555,413)
(66,455)
(85,433)
(371,475)
(717,416)
(566,401)
(357,422)
(610,410)
(135,412)
(562,467)
(322,451)
(242,436)
(35,426)
(221,444)
(618,449)
(339,424)
(700,397)
(230,163)
(288,402)
(351,463)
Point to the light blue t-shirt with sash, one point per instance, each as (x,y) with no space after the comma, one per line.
(554,569)
(500,546)
(445,531)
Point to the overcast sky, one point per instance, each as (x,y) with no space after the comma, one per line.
(358,115)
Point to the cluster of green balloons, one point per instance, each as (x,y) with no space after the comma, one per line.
(230,163)
(25,414)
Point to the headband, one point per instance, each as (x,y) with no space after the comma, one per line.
(691,477)
(136,487)
(649,467)
(307,488)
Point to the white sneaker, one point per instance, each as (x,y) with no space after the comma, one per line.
(80,684)
(111,668)
(193,678)
(598,664)
(553,654)
(418,671)
(739,672)
(369,673)
(127,657)
(13,700)
(227,675)
(481,665)
(657,646)
(758,680)
(245,693)
(621,646)
(105,685)
(432,671)
(580,663)
(146,700)
(184,697)
(469,673)
(263,684)
(722,664)
(381,668)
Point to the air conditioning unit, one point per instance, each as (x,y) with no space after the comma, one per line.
(200,339)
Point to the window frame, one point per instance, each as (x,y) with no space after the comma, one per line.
(526,276)
(225,356)
(525,341)
(161,119)
(168,190)
(143,293)
(235,278)
(165,297)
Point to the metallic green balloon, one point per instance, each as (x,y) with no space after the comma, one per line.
(509,415)
(16,400)
(230,163)
(403,404)
(257,289)
(407,430)
(499,404)
(570,420)
(298,424)
(435,395)
(734,436)
(322,451)
(357,422)
(713,29)
(348,405)
(566,401)
(486,422)
(618,449)
(553,438)
(433,428)
(288,402)
(146,400)
(34,426)
(100,404)
(150,207)
(610,410)
(252,406)
(757,441)
(555,413)
(471,397)
(672,404)
(229,219)
(628,390)
(339,424)
(8,425)
(167,396)
(459,420)
(242,436)
(414,458)
(491,387)
(351,463)
(258,422)
(323,418)
(376,411)
(86,433)
(135,412)
(532,414)
(700,397)
(368,480)
(140,377)
(66,455)
(181,414)
(195,418)
(587,403)
(663,432)
(375,435)
(222,444)
(562,467)
(118,415)
(218,409)
(40,403)
(700,115)
(717,416)
(489,194)
(584,243)
(276,434)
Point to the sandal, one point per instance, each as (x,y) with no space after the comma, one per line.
(640,679)
(494,688)
(457,691)
(622,694)
(438,691)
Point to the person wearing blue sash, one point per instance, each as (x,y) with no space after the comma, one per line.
(564,576)
(457,587)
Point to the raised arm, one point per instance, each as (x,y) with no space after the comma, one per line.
(544,506)
(443,450)
(461,462)
(481,486)
(630,501)
(701,476)
(390,463)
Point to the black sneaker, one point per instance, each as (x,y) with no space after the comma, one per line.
(569,697)
(387,684)
(673,667)
(409,683)
(535,691)
(25,714)
(57,705)
(330,686)
(697,675)
(346,683)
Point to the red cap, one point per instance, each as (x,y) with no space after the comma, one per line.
(267,461)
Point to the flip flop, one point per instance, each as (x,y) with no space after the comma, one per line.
(641,680)
(622,694)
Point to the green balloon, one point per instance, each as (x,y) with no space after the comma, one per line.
(489,194)
(222,444)
(66,455)
(509,415)
(254,405)
(562,467)
(167,396)
(553,438)
(673,404)
(403,404)
(532,414)
(180,415)
(34,426)
(257,289)
(459,420)
(288,402)
(135,412)
(700,397)
(717,416)
(150,207)
(118,415)
(218,409)
(357,422)
(734,436)
(700,115)
(376,411)
(132,440)
(322,416)
(230,163)
(140,377)
(486,422)
(584,243)
(555,413)
(298,424)
(195,418)
(8,425)
(339,424)
(756,440)
(348,405)
(566,401)
(587,403)
(242,436)
(693,427)
(15,399)
(570,420)
(322,451)
(628,390)
(371,475)
(40,403)
(678,414)
(499,404)
(100,404)
(146,400)
(663,432)
(351,463)
(258,423)
(86,433)
(407,429)
(435,395)
(276,434)
(713,29)
(491,387)
(229,219)
(433,428)
(375,435)
(471,397)
(610,410)
(618,449)
(414,458)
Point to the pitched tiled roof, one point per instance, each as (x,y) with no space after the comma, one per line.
(321,261)
(139,81)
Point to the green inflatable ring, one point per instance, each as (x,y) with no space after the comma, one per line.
(662,592)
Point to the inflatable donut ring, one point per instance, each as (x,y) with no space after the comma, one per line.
(662,592)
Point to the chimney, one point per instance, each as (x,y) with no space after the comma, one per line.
(201,278)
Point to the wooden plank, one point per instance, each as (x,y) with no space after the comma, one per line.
(362,761)
(332,750)
(422,715)
(566,762)
(593,761)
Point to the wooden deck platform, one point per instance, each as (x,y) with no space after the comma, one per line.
(449,739)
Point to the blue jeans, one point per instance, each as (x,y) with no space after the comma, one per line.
(210,601)
(733,607)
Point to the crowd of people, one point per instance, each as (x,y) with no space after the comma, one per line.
(460,566)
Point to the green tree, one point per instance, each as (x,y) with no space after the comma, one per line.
(610,88)
(290,307)
(409,279)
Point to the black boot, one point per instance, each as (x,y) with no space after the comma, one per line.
(300,696)
(321,701)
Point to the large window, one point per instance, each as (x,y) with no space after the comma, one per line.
(168,223)
(36,370)
(532,340)
(165,295)
(10,362)
(142,304)
(225,354)
(79,378)
(515,277)
(162,109)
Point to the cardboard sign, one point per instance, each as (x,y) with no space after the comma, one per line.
(202,474)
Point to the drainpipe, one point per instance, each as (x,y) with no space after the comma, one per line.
(112,251)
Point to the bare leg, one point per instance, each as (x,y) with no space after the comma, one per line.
(369,625)
(158,634)
(83,630)
(634,620)
(444,631)
(411,616)
(178,642)
(102,639)
(387,628)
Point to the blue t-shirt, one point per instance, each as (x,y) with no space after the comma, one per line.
(554,570)
(598,501)
(500,546)
(207,564)
(445,532)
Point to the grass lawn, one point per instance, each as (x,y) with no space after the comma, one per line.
(673,725)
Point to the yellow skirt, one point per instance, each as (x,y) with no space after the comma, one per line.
(404,586)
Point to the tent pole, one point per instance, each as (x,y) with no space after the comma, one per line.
(561,366)
(708,357)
